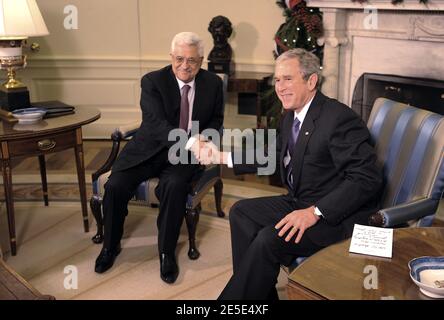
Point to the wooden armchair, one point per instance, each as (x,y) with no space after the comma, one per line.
(202,182)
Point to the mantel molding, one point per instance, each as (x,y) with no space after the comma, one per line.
(378,4)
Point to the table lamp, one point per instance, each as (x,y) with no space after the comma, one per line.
(19,19)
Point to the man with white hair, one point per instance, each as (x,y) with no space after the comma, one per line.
(172,98)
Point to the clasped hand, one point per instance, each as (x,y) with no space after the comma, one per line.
(206,152)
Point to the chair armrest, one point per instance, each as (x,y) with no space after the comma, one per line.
(390,217)
(210,172)
(128,130)
(204,182)
(119,134)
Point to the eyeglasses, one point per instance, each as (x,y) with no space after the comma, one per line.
(191,61)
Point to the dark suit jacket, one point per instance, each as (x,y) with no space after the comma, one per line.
(160,103)
(334,168)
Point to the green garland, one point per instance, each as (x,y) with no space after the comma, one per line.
(301,29)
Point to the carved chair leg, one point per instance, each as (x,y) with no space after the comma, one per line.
(191,218)
(218,187)
(96,208)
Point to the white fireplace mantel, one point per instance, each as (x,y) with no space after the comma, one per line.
(405,39)
(432,5)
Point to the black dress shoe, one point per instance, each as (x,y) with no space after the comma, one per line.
(168,268)
(106,258)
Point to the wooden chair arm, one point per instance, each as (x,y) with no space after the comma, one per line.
(121,133)
(128,130)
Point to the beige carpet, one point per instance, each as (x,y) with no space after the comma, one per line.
(52,238)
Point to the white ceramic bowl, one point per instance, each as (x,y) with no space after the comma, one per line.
(428,274)
(29,115)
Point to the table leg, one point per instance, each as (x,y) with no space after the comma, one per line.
(7,182)
(44,181)
(81,177)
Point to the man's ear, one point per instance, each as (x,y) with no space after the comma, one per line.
(312,81)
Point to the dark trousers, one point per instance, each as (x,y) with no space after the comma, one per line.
(258,251)
(172,190)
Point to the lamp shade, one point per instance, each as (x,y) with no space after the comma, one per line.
(20,19)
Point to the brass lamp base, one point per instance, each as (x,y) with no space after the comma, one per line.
(12,99)
(13,93)
(13,83)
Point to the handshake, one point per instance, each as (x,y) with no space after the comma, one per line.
(206,152)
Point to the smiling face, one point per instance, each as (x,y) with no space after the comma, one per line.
(290,86)
(186,62)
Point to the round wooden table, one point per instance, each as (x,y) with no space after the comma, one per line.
(47,136)
(335,274)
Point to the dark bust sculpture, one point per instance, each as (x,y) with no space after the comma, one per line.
(220,28)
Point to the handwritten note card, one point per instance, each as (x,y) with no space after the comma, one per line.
(372,241)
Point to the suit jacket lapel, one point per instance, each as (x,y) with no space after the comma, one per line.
(175,95)
(301,144)
(306,131)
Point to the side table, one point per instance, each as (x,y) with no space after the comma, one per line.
(335,274)
(45,137)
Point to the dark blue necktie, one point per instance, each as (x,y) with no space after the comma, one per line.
(291,145)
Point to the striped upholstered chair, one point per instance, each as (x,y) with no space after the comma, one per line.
(409,144)
(201,183)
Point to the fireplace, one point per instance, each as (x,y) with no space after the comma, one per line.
(380,49)
(422,93)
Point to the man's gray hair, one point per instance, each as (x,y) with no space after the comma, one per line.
(308,62)
(189,39)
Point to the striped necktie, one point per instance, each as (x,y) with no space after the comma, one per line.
(291,145)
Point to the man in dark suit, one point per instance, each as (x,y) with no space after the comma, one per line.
(328,166)
(171,99)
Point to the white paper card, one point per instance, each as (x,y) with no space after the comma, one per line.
(372,241)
